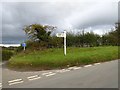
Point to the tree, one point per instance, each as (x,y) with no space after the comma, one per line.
(91,39)
(111,38)
(71,39)
(38,32)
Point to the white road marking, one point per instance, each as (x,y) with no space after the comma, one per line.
(47,73)
(16,80)
(71,68)
(63,70)
(15,83)
(74,68)
(0,84)
(96,63)
(77,68)
(66,70)
(87,65)
(34,77)
(50,74)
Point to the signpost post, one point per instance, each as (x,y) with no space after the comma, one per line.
(64,42)
(24,45)
(64,36)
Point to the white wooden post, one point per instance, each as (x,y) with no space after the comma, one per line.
(24,48)
(63,35)
(64,42)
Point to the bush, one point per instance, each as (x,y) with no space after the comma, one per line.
(6,55)
(19,49)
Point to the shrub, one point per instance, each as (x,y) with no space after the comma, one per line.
(6,55)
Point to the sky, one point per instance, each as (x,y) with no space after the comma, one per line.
(71,15)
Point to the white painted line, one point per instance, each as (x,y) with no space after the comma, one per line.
(16,80)
(15,83)
(66,70)
(74,68)
(59,71)
(97,63)
(50,74)
(71,68)
(87,65)
(34,78)
(0,84)
(63,70)
(77,68)
(47,73)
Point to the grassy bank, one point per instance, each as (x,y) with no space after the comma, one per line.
(7,54)
(54,58)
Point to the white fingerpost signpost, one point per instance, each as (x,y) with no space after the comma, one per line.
(64,36)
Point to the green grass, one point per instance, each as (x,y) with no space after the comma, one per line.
(6,54)
(54,58)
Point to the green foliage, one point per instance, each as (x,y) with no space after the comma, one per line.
(71,39)
(55,42)
(38,32)
(19,49)
(54,57)
(86,39)
(7,54)
(110,38)
(39,37)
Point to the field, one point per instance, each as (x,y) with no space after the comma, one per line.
(54,58)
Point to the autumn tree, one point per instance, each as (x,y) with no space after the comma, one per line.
(38,32)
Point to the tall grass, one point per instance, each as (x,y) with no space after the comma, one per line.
(54,58)
(6,54)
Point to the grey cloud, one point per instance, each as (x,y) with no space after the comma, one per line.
(64,15)
(101,14)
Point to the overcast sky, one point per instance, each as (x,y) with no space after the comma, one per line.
(91,15)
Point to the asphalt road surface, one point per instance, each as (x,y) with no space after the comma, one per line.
(99,75)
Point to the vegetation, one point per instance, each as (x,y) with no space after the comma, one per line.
(44,40)
(54,58)
(38,32)
(7,54)
(88,39)
(40,35)
(45,51)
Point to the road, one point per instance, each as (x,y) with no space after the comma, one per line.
(99,75)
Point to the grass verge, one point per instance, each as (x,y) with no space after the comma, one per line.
(54,58)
